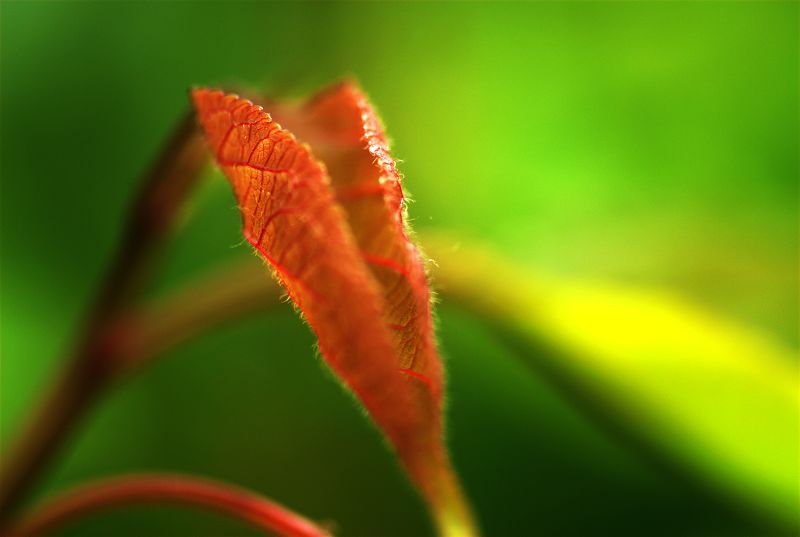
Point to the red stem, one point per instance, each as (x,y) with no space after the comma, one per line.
(146,489)
(93,362)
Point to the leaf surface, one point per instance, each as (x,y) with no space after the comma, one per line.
(333,232)
(345,133)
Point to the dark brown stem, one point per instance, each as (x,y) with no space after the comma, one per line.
(93,362)
(148,489)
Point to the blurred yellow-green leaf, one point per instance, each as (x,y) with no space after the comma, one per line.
(720,396)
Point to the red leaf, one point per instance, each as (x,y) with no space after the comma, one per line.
(335,237)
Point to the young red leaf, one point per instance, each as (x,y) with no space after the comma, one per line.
(347,137)
(334,234)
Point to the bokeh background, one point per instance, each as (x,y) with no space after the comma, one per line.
(645,144)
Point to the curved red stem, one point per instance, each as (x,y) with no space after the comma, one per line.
(94,361)
(156,488)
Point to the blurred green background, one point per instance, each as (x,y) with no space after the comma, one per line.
(639,143)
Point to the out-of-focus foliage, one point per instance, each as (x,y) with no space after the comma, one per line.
(641,144)
(718,394)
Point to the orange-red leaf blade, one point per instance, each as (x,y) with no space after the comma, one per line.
(348,137)
(346,262)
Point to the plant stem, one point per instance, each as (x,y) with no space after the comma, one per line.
(136,489)
(93,362)
(224,296)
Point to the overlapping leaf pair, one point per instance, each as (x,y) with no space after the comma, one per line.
(321,201)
